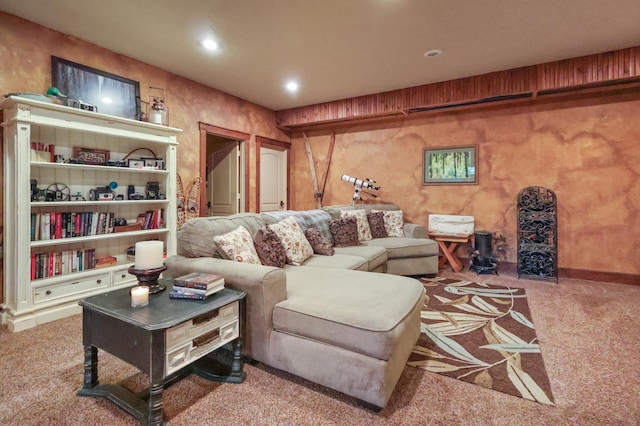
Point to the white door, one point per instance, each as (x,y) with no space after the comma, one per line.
(224,189)
(273,179)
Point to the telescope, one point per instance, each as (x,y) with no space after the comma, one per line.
(366,183)
(358,184)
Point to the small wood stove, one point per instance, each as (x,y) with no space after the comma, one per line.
(482,260)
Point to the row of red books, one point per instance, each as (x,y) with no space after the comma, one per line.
(151,219)
(44,265)
(42,151)
(56,225)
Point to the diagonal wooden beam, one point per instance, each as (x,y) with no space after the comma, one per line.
(316,194)
(326,171)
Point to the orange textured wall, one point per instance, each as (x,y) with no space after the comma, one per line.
(585,150)
(25,66)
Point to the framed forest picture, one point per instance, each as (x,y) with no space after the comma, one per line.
(452,165)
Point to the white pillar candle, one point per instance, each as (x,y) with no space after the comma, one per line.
(149,255)
(139,296)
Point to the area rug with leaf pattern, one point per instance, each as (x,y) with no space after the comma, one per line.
(481,334)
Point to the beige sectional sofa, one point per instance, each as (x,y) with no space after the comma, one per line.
(331,320)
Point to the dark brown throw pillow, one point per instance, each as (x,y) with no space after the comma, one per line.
(269,248)
(344,231)
(376,223)
(320,243)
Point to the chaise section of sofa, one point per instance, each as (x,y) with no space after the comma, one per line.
(347,330)
(413,254)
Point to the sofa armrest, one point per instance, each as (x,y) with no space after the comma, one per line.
(265,286)
(413,230)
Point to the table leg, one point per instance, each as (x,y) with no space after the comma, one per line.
(237,374)
(442,260)
(448,252)
(90,367)
(156,415)
(237,366)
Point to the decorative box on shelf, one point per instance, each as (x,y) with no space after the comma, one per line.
(127,228)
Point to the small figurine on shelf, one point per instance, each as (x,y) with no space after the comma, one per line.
(158,112)
(56,96)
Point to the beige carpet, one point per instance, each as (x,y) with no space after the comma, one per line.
(589,333)
(481,334)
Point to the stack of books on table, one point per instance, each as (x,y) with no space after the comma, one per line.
(196,285)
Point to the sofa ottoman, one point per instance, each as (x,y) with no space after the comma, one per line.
(347,329)
(332,308)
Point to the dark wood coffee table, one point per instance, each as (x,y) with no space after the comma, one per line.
(167,339)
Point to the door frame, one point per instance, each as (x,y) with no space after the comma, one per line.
(273,144)
(244,139)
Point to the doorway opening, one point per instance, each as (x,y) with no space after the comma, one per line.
(224,171)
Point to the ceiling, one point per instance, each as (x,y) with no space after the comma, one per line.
(338,49)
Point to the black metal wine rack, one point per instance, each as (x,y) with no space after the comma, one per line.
(537,234)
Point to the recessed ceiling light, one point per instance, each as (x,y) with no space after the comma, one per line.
(292,86)
(209,44)
(432,53)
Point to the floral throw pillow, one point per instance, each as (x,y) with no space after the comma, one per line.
(269,248)
(393,222)
(295,243)
(364,232)
(344,231)
(376,223)
(238,245)
(320,243)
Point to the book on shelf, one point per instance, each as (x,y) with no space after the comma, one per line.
(52,226)
(199,280)
(58,228)
(34,233)
(45,226)
(147,219)
(110,222)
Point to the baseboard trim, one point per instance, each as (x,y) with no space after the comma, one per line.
(613,277)
(581,274)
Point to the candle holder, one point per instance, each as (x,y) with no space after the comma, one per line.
(149,278)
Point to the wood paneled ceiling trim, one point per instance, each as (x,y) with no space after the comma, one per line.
(610,69)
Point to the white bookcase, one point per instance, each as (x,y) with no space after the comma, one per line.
(31,295)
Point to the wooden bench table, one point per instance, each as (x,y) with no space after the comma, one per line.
(448,244)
